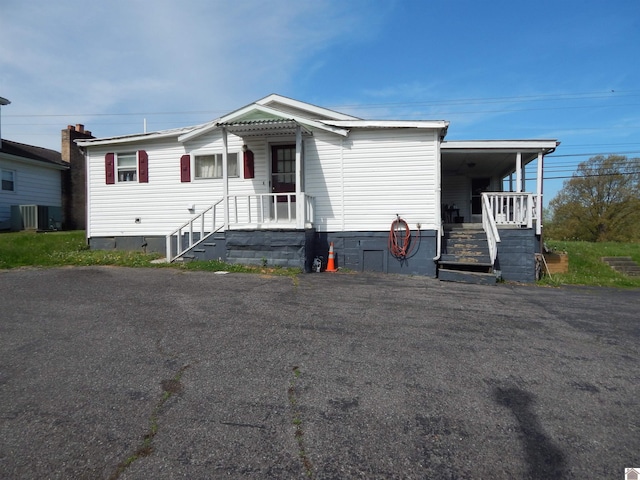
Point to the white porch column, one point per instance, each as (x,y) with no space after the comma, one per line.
(300,201)
(518,172)
(539,187)
(225,178)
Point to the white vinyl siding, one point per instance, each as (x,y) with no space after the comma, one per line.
(162,204)
(456,191)
(359,183)
(377,174)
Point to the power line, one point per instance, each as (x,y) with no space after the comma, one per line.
(590,154)
(594,175)
(364,106)
(516,98)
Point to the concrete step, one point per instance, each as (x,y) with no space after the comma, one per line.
(624,265)
(479,278)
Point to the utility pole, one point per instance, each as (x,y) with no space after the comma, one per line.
(3,101)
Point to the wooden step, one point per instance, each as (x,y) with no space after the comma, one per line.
(479,278)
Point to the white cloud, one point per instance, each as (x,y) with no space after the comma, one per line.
(136,56)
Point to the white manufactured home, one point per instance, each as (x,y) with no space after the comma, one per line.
(279,180)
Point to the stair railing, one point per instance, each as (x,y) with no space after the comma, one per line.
(490,227)
(198,228)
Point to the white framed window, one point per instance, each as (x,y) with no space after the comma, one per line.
(127,167)
(8,178)
(210,165)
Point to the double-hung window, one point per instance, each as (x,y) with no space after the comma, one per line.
(210,166)
(127,167)
(8,180)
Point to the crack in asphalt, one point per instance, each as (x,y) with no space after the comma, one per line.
(169,387)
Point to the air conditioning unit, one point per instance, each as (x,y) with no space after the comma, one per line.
(35,217)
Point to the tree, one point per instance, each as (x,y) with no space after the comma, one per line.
(601,202)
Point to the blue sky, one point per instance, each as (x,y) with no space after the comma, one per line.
(560,69)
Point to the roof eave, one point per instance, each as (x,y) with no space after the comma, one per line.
(126,138)
(427,124)
(523,145)
(229,118)
(34,161)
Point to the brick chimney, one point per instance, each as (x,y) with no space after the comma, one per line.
(74,183)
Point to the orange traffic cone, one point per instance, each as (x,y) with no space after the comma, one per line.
(331,263)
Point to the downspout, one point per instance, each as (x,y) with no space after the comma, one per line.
(225,178)
(300,201)
(87,192)
(438,200)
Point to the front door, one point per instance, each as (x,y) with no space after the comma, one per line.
(283,171)
(478,186)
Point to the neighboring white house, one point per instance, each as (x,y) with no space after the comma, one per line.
(31,189)
(279,180)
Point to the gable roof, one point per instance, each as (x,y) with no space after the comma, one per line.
(286,104)
(272,108)
(23,151)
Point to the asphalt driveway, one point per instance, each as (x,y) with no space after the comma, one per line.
(157,373)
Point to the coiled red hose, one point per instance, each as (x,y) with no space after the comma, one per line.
(400,245)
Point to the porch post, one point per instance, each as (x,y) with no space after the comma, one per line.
(300,202)
(518,172)
(225,178)
(539,186)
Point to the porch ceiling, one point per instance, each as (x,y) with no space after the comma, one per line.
(482,164)
(489,158)
(262,128)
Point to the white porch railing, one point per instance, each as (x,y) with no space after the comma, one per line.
(490,227)
(259,209)
(509,208)
(255,211)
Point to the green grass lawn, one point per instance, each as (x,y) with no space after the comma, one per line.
(586,268)
(52,249)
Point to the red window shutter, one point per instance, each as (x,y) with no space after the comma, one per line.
(109,168)
(248,165)
(143,167)
(185,168)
